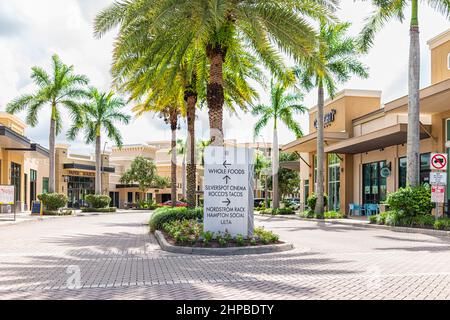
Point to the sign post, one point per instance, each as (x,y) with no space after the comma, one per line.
(438,179)
(228,191)
(7,196)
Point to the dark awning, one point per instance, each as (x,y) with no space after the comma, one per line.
(13,141)
(87,167)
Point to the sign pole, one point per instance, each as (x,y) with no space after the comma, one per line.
(438,180)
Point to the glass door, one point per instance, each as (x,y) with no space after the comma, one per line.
(16,180)
(334,179)
(374,184)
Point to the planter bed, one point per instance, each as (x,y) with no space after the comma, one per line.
(168,244)
(105,210)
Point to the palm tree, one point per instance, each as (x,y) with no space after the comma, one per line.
(63,87)
(101,113)
(394,9)
(218,27)
(169,110)
(338,60)
(282,108)
(260,167)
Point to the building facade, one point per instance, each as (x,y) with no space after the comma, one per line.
(23,163)
(365,141)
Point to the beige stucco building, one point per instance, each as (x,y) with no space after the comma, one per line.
(157,151)
(365,141)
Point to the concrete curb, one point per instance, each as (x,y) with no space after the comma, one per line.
(431,232)
(166,246)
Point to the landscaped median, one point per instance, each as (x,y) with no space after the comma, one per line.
(180,230)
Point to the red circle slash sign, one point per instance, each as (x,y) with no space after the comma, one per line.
(439,161)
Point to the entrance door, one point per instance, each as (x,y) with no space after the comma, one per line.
(334,179)
(114,199)
(374,185)
(16,180)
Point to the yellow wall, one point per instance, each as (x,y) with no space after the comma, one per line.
(439,63)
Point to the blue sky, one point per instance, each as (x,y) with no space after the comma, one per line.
(31,31)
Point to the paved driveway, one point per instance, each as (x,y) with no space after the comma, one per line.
(114,257)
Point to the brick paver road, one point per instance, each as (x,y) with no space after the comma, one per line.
(114,257)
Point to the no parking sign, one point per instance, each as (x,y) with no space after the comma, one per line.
(438,161)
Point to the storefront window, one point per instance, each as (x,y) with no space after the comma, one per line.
(15,179)
(77,189)
(424,170)
(374,184)
(33,183)
(44,185)
(333,182)
(306,190)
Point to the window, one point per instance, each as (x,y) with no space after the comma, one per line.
(33,183)
(15,179)
(44,185)
(424,170)
(374,184)
(334,179)
(306,190)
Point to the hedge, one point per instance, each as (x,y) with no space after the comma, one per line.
(53,201)
(167,214)
(110,209)
(98,201)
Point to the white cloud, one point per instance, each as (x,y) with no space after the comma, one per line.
(31,31)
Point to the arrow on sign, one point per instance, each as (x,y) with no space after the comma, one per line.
(227,202)
(226,178)
(225,164)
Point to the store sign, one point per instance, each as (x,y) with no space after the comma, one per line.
(438,194)
(228,190)
(328,118)
(6,194)
(81,173)
(438,178)
(438,161)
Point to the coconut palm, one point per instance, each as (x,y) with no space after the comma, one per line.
(338,59)
(282,109)
(100,114)
(260,168)
(62,88)
(182,150)
(266,27)
(394,9)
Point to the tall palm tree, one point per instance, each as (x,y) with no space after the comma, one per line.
(169,110)
(282,109)
(266,27)
(101,113)
(260,167)
(62,88)
(338,61)
(395,9)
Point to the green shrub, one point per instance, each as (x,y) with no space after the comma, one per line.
(308,214)
(110,209)
(240,240)
(284,211)
(184,231)
(424,221)
(333,215)
(393,218)
(373,219)
(268,211)
(147,205)
(57,212)
(167,214)
(265,236)
(442,224)
(53,201)
(312,199)
(98,201)
(411,201)
(207,237)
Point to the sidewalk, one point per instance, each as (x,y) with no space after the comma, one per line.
(7,219)
(361,222)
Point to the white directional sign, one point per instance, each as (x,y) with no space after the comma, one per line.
(438,178)
(228,190)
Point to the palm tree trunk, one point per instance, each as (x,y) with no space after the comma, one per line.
(275,167)
(320,153)
(173,165)
(98,165)
(52,153)
(215,96)
(183,177)
(191,163)
(413,141)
